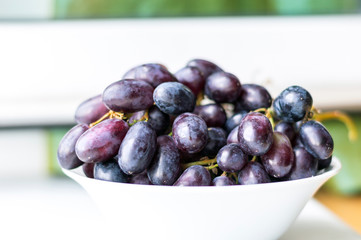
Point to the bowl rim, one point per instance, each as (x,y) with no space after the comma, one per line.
(324,175)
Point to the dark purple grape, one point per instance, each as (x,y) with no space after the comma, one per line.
(88,169)
(137,149)
(316,139)
(102,141)
(165,167)
(206,67)
(323,164)
(234,121)
(128,95)
(190,133)
(253,173)
(216,140)
(231,158)
(222,181)
(194,176)
(90,110)
(152,73)
(233,136)
(192,77)
(286,128)
(223,87)
(109,171)
(213,114)
(141,178)
(174,98)
(67,157)
(292,104)
(255,134)
(305,164)
(279,159)
(253,97)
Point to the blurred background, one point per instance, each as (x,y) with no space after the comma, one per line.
(56,53)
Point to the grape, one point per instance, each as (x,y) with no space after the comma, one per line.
(253,173)
(191,77)
(255,134)
(67,157)
(165,167)
(316,139)
(90,110)
(141,178)
(174,98)
(222,181)
(109,171)
(137,149)
(152,73)
(305,164)
(190,133)
(158,120)
(222,87)
(194,176)
(231,158)
(322,164)
(206,67)
(252,97)
(286,128)
(102,141)
(128,95)
(297,141)
(292,104)
(279,159)
(216,140)
(88,169)
(235,120)
(213,114)
(233,136)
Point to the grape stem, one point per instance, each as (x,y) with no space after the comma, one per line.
(211,167)
(253,158)
(200,97)
(105,116)
(206,161)
(344,118)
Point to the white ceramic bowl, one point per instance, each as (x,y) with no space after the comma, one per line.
(263,211)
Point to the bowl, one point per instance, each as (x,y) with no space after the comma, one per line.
(262,211)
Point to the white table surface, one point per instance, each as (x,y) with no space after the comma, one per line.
(60,209)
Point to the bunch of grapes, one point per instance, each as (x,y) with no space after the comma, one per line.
(197,127)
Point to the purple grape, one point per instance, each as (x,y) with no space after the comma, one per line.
(67,157)
(253,173)
(233,136)
(213,114)
(286,128)
(279,159)
(165,167)
(90,110)
(234,121)
(222,181)
(216,140)
(109,171)
(253,97)
(194,176)
(206,67)
(190,133)
(141,178)
(255,134)
(137,149)
(231,158)
(191,77)
(223,87)
(316,139)
(305,164)
(292,104)
(102,141)
(174,98)
(128,95)
(88,169)
(152,73)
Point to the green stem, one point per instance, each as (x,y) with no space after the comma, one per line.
(202,162)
